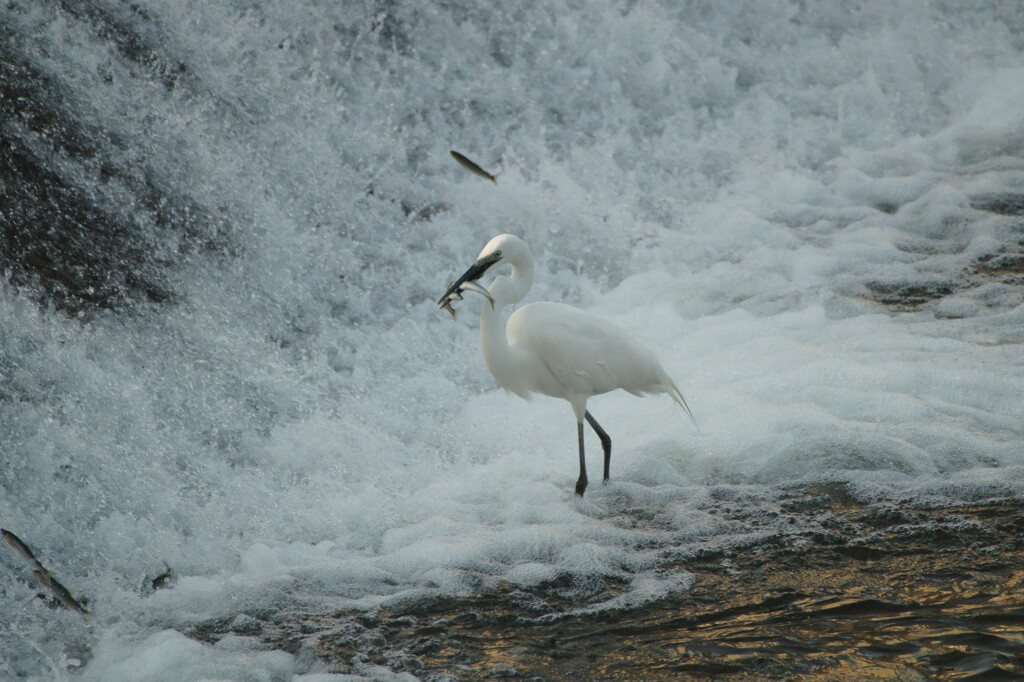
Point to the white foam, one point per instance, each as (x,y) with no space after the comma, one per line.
(169,655)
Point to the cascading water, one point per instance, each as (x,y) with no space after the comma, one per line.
(225,227)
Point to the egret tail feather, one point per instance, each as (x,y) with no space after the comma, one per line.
(677,395)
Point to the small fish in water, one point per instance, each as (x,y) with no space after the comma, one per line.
(62,594)
(473,167)
(19,546)
(165,578)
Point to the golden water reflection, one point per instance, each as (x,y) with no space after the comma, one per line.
(911,594)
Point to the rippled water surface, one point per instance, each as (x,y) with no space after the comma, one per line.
(875,592)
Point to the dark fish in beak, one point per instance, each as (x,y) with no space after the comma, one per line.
(473,167)
(475,272)
(447,305)
(446,302)
(468,282)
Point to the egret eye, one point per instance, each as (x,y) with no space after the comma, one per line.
(497,254)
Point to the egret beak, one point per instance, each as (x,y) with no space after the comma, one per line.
(475,272)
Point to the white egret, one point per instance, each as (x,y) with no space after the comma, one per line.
(555,349)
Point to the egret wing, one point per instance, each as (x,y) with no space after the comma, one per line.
(585,354)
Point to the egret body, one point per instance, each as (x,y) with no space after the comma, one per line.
(555,349)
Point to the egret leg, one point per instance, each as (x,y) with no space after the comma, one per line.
(606,443)
(581,483)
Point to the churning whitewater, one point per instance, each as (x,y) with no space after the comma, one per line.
(226,389)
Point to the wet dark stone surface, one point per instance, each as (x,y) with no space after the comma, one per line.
(1003,204)
(909,294)
(1005,266)
(87,220)
(901,594)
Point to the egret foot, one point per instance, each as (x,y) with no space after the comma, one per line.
(581,485)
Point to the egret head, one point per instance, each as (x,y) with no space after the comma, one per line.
(508,247)
(505,248)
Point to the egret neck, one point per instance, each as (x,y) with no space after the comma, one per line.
(506,363)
